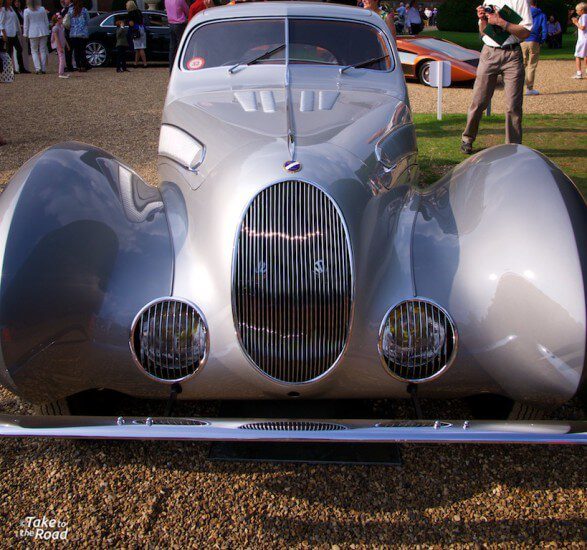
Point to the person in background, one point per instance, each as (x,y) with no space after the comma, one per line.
(177,15)
(373,5)
(413,19)
(138,33)
(78,33)
(499,59)
(36,29)
(581,49)
(428,15)
(434,15)
(65,4)
(59,43)
(16,6)
(198,6)
(555,33)
(531,46)
(121,47)
(10,30)
(401,18)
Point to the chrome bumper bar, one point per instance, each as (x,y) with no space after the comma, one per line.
(351,431)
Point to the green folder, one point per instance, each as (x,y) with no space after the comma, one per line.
(497,33)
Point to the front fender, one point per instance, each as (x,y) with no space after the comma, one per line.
(84,245)
(501,243)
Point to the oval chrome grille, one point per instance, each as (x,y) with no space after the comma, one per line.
(417,340)
(293,426)
(169,339)
(293,282)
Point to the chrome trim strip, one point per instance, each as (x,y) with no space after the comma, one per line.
(216,429)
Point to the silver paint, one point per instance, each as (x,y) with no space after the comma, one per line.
(499,242)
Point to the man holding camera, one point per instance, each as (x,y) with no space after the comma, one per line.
(499,59)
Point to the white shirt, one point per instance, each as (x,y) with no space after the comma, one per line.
(36,23)
(9,22)
(522,7)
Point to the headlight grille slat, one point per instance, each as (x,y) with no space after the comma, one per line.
(417,341)
(169,339)
(292,282)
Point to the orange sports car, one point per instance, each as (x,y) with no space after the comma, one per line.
(416,53)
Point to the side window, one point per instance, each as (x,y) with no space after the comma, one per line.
(157,20)
(109,21)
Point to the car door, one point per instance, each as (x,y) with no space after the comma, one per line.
(157,28)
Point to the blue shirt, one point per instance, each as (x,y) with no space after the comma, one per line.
(79,24)
(539,30)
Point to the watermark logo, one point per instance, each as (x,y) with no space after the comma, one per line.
(43,528)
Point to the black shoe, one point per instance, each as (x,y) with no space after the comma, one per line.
(466,148)
(24,71)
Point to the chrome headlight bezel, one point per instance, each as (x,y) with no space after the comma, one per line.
(441,362)
(137,357)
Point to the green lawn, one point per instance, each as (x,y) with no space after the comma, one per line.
(472,40)
(563,138)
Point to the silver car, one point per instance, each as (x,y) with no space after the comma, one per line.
(290,253)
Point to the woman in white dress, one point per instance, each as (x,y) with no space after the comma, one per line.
(36,29)
(581,49)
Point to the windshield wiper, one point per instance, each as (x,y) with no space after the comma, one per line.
(256,59)
(365,63)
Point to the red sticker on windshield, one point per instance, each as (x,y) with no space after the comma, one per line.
(196,63)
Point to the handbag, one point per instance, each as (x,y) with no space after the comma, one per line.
(7,71)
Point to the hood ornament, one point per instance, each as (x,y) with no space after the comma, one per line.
(292,166)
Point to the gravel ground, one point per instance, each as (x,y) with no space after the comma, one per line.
(559,93)
(169,495)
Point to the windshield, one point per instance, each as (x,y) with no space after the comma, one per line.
(323,41)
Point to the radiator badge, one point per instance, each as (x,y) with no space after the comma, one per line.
(292,166)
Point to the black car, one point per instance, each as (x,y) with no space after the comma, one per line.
(102,37)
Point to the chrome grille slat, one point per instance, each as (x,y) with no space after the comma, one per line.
(294,319)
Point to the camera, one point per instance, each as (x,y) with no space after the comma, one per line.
(489,9)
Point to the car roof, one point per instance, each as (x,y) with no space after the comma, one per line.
(102,16)
(283,9)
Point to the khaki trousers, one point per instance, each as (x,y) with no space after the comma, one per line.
(492,63)
(531,54)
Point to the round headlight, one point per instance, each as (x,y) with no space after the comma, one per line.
(417,340)
(169,339)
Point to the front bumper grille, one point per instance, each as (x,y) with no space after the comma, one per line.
(293,426)
(293,282)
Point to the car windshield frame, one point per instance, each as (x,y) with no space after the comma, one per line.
(386,45)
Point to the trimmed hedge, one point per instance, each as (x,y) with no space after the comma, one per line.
(458,16)
(461,16)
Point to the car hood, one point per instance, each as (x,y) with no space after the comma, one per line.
(342,112)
